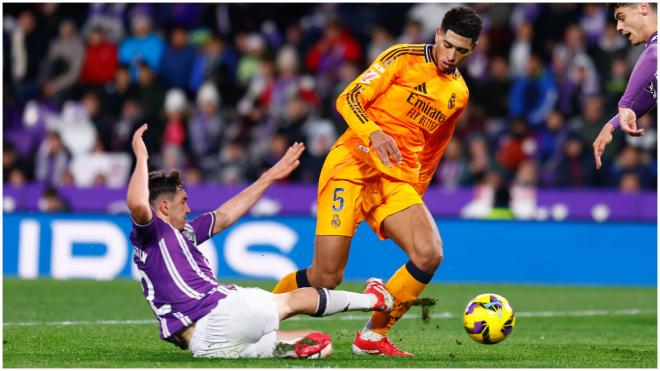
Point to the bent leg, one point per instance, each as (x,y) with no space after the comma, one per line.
(414,230)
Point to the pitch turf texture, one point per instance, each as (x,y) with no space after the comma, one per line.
(108,324)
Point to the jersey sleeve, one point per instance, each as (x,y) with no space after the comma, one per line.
(203,226)
(358,95)
(636,97)
(145,233)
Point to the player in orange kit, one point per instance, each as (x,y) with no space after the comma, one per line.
(401,114)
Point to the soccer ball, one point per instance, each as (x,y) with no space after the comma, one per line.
(489,318)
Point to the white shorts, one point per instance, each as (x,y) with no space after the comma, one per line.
(243,325)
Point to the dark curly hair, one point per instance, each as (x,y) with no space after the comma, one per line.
(615,6)
(162,183)
(464,21)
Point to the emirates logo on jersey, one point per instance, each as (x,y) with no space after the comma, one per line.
(452,101)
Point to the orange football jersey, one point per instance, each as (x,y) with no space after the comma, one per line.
(404,94)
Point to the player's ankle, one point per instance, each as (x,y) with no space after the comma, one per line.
(368,334)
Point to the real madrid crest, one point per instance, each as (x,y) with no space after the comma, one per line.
(452,101)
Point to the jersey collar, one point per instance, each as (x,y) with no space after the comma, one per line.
(653,39)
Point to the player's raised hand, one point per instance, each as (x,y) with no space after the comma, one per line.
(385,147)
(288,163)
(628,120)
(602,140)
(139,148)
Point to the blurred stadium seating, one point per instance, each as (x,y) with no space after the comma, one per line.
(226,87)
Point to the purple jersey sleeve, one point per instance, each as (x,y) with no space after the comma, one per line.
(145,233)
(641,92)
(203,226)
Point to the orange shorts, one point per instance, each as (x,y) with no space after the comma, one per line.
(351,191)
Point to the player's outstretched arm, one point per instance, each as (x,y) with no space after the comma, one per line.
(229,212)
(137,196)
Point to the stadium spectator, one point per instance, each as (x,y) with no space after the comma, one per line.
(175,134)
(551,136)
(130,118)
(515,146)
(336,46)
(592,22)
(75,127)
(453,170)
(630,162)
(521,49)
(577,75)
(252,47)
(412,33)
(14,169)
(151,92)
(61,68)
(177,61)
(52,160)
(116,92)
(144,46)
(216,61)
(573,168)
(28,49)
(108,16)
(381,39)
(51,201)
(206,126)
(320,136)
(100,62)
(286,85)
(533,95)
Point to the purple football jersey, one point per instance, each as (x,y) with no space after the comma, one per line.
(641,93)
(176,278)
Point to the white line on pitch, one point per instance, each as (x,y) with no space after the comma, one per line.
(354,317)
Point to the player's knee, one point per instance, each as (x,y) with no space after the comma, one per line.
(430,256)
(331,280)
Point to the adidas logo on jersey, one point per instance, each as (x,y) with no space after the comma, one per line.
(421,88)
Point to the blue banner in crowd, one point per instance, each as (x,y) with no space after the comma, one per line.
(67,246)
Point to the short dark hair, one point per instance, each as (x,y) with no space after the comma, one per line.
(464,21)
(162,183)
(615,6)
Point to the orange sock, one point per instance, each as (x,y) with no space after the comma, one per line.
(292,281)
(405,285)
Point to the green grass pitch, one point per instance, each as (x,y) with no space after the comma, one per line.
(108,324)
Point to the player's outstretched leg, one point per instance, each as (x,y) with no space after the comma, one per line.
(320,302)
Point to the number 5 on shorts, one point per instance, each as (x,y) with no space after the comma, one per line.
(337,197)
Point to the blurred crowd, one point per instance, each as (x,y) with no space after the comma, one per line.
(226,88)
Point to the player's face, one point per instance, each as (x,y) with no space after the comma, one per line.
(630,22)
(179,209)
(451,49)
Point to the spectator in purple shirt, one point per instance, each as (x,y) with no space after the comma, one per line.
(639,23)
(197,312)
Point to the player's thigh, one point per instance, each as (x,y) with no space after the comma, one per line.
(385,198)
(241,321)
(339,199)
(415,231)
